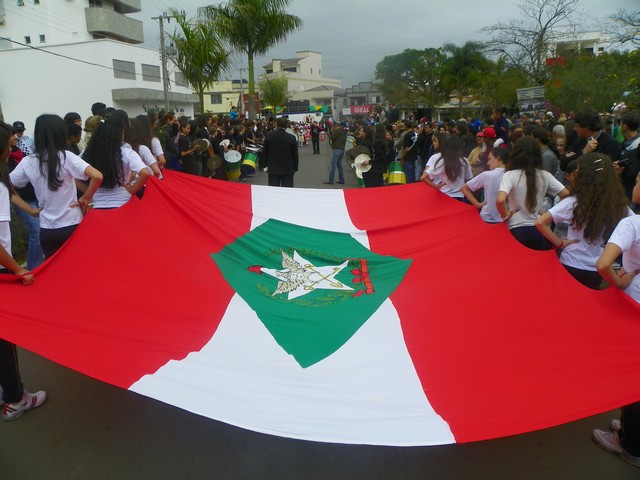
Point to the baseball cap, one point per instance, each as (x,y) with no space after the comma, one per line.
(489,132)
(18,126)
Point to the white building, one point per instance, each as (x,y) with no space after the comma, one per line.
(305,82)
(59,56)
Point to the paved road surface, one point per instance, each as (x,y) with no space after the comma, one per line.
(89,430)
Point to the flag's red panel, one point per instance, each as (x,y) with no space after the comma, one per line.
(504,340)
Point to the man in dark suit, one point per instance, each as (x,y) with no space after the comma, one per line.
(281,155)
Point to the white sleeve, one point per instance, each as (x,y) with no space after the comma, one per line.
(156,147)
(75,165)
(477,182)
(19,177)
(134,161)
(146,156)
(625,234)
(563,211)
(506,184)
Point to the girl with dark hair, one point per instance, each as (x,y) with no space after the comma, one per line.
(154,142)
(52,171)
(139,140)
(522,191)
(107,153)
(447,170)
(488,182)
(596,205)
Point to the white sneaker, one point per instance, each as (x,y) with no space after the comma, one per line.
(609,441)
(11,411)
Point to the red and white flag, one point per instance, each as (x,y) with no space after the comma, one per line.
(390,316)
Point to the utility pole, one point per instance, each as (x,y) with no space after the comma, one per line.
(242,89)
(163,57)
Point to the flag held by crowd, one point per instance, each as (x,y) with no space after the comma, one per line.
(388,316)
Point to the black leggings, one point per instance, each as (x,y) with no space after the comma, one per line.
(51,239)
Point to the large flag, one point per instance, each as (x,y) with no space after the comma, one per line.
(390,316)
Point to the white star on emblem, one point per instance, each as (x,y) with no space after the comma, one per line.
(299,276)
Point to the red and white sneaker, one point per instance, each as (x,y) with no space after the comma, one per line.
(11,411)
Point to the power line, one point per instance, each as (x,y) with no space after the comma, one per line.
(66,56)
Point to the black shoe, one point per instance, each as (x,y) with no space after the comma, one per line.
(341,183)
(327,183)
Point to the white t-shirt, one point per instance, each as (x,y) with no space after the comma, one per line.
(5,219)
(627,237)
(156,147)
(435,170)
(118,196)
(56,212)
(490,181)
(147,157)
(582,255)
(514,184)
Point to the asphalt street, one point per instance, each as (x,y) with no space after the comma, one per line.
(90,430)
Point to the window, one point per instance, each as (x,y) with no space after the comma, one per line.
(95,3)
(216,98)
(21,3)
(181,81)
(122,69)
(27,40)
(290,69)
(150,73)
(42,38)
(36,2)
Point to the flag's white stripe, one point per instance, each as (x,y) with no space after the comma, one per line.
(322,209)
(367,392)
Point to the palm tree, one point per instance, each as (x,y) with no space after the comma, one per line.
(201,57)
(252,27)
(273,92)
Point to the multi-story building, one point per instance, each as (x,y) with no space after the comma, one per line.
(59,56)
(357,101)
(306,87)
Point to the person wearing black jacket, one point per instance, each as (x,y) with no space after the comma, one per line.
(591,138)
(281,155)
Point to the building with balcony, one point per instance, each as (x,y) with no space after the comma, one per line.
(306,87)
(63,55)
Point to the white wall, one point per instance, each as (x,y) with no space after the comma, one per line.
(34,82)
(60,22)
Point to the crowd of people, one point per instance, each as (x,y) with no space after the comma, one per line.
(566,184)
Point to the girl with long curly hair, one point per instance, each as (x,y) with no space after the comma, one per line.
(596,205)
(447,170)
(107,153)
(522,190)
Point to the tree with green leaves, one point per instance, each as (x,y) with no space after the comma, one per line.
(273,92)
(201,56)
(412,78)
(599,81)
(525,41)
(462,71)
(252,27)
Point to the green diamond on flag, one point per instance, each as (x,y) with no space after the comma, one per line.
(312,289)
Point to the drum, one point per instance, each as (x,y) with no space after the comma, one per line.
(232,164)
(396,174)
(249,164)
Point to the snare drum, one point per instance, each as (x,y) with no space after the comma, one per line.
(396,174)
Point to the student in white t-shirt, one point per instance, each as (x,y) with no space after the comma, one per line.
(138,138)
(448,170)
(624,438)
(52,171)
(116,162)
(489,182)
(589,223)
(154,142)
(522,190)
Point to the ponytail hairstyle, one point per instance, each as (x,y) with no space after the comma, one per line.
(103,152)
(526,156)
(601,201)
(50,138)
(451,154)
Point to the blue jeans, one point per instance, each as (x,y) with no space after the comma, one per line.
(34,252)
(410,170)
(336,161)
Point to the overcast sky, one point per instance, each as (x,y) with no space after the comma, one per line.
(354,35)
